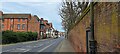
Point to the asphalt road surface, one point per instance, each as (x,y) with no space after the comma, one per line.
(46,45)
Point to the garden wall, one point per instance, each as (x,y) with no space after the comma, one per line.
(106,28)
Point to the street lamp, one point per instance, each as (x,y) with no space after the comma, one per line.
(92,42)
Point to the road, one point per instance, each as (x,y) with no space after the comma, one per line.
(46,45)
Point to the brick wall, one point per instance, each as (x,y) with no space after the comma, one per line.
(34,26)
(8,23)
(106,28)
(1,13)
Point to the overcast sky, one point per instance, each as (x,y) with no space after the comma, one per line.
(49,10)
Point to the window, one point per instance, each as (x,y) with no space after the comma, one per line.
(42,27)
(2,25)
(23,20)
(41,22)
(11,20)
(18,20)
(18,26)
(3,20)
(23,26)
(11,26)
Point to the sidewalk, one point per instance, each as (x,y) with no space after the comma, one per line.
(64,46)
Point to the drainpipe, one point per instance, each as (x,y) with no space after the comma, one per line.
(92,42)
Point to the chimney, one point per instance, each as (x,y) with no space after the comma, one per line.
(1,13)
(41,18)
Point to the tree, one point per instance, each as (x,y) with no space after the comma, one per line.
(70,11)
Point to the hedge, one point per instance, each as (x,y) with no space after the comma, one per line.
(14,37)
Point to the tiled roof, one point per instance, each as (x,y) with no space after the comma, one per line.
(16,15)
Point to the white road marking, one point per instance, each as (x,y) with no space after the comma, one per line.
(41,44)
(30,49)
(23,48)
(7,50)
(37,45)
(46,47)
(20,49)
(26,50)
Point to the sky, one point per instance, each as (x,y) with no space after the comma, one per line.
(49,10)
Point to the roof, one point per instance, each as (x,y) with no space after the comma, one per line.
(16,15)
(37,17)
(33,19)
(50,25)
(46,20)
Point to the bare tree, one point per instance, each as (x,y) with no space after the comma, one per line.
(70,11)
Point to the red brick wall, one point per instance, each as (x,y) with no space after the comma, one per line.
(21,22)
(7,24)
(1,13)
(106,29)
(106,26)
(77,35)
(34,26)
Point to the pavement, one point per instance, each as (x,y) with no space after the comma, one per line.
(64,46)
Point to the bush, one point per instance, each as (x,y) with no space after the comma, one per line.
(14,37)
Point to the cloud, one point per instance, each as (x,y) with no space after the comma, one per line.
(46,10)
(0,6)
(35,3)
(30,0)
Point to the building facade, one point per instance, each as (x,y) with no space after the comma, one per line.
(16,22)
(20,22)
(26,23)
(46,29)
(34,25)
(1,20)
(42,28)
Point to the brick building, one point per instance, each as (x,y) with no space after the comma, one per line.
(20,22)
(34,25)
(25,23)
(0,20)
(51,29)
(45,28)
(42,28)
(16,22)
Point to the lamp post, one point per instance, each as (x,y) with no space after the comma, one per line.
(92,20)
(92,42)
